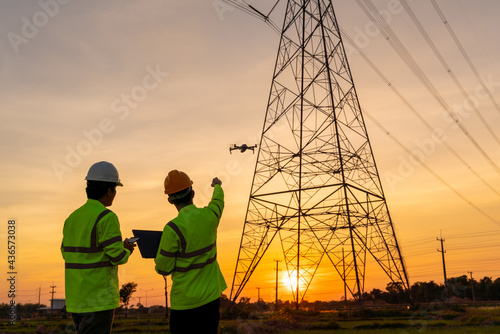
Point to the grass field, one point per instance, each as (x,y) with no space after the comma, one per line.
(451,320)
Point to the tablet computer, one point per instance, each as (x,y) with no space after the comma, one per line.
(148,242)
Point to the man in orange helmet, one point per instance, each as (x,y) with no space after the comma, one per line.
(188,252)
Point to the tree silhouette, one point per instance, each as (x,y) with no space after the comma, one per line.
(126,293)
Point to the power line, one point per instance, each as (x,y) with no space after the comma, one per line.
(422,241)
(249,9)
(418,254)
(464,54)
(469,247)
(444,63)
(372,12)
(473,30)
(243,6)
(476,261)
(462,247)
(245,9)
(419,160)
(384,78)
(413,109)
(475,234)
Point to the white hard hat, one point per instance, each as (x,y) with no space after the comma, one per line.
(103,171)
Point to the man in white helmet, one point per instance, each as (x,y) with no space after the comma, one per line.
(92,249)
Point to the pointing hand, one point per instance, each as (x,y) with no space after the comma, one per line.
(216,181)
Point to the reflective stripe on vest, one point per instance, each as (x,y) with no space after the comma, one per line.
(187,255)
(215,213)
(94,248)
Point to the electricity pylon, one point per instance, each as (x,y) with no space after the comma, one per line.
(316,186)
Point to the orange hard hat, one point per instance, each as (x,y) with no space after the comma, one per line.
(176,181)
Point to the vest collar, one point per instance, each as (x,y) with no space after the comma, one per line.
(187,208)
(95,202)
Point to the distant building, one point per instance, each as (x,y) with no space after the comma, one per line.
(56,306)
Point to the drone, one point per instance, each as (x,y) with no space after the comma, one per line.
(242,148)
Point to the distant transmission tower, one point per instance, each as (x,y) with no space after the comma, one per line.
(316,186)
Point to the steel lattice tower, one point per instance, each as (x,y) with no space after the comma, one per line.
(316,184)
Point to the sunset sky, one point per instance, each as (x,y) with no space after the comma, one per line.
(158,85)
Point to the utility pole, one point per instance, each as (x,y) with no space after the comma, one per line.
(258,298)
(343,278)
(442,251)
(138,309)
(166,297)
(147,296)
(472,286)
(39,293)
(276,306)
(52,300)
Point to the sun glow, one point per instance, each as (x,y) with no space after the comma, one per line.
(290,280)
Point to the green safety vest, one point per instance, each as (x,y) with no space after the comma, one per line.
(92,249)
(188,252)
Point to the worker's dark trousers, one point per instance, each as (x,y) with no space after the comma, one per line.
(94,322)
(203,319)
